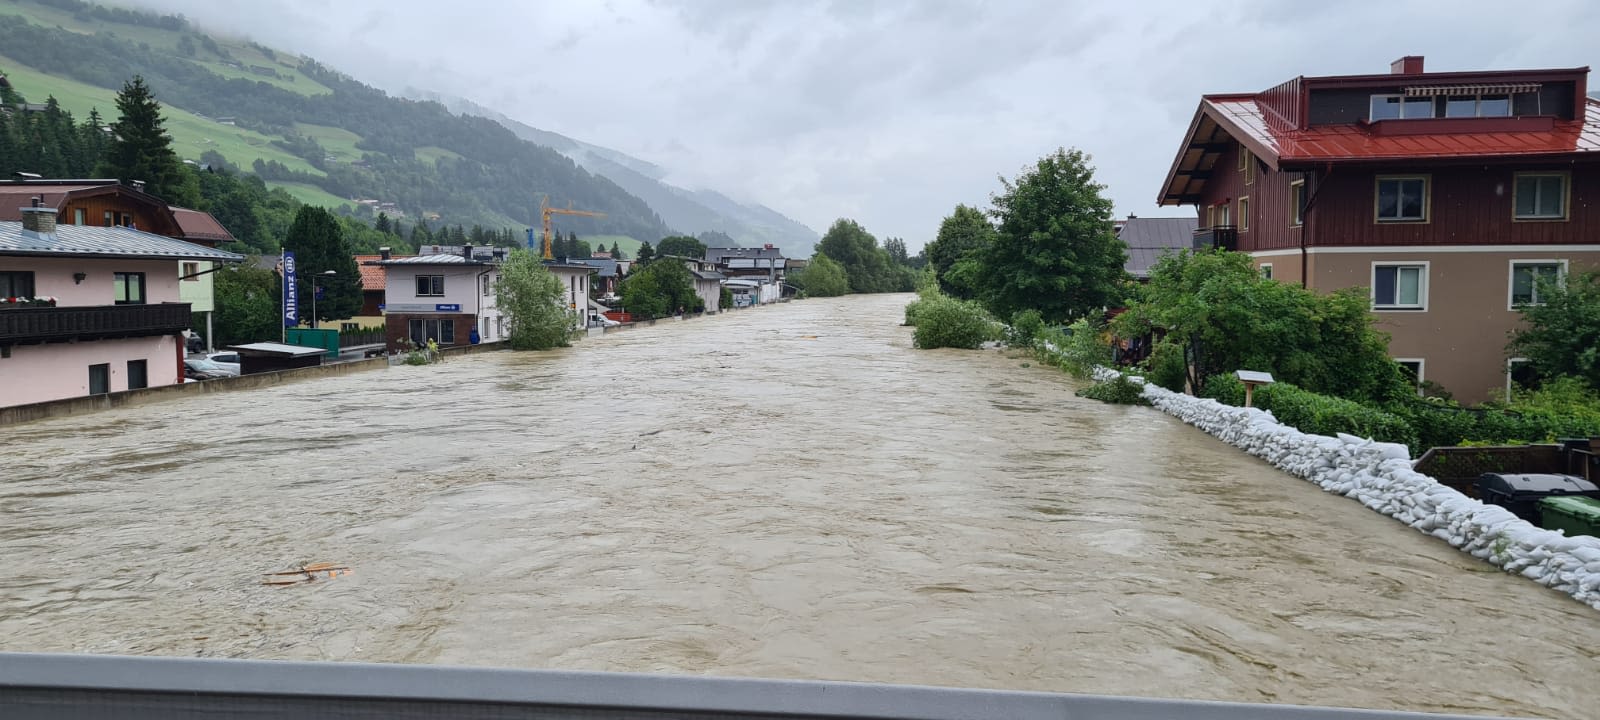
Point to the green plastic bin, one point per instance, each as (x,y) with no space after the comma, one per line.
(328,340)
(1576,515)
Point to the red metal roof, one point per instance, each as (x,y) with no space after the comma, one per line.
(197,225)
(1244,118)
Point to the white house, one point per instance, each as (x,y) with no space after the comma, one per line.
(574,277)
(448,298)
(88,310)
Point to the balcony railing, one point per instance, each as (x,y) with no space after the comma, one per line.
(92,322)
(47,687)
(1225,237)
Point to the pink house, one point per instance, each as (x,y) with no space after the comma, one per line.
(88,310)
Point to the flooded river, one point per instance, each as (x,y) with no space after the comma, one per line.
(785,492)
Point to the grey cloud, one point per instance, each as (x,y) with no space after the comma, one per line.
(888,111)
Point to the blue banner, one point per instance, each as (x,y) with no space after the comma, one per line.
(291,303)
(452,307)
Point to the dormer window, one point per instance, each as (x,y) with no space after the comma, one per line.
(1400,107)
(1477,106)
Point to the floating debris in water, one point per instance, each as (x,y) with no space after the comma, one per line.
(305,574)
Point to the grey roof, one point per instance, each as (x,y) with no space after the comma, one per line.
(708,275)
(717,255)
(434,260)
(1150,238)
(568,264)
(111,242)
(272,348)
(608,266)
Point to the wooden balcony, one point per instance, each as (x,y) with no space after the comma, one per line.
(91,322)
(1225,237)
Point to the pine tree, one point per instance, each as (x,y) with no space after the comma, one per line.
(382,223)
(142,150)
(616,252)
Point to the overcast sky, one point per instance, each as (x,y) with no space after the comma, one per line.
(888,112)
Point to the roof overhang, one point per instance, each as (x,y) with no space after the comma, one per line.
(1210,134)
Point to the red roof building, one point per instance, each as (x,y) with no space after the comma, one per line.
(1448,195)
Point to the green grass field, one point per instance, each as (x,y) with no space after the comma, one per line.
(431,154)
(624,243)
(191,134)
(312,195)
(167,40)
(338,142)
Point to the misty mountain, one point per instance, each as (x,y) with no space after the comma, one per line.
(691,211)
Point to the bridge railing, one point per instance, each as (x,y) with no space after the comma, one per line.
(48,687)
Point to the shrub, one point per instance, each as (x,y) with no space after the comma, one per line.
(1325,415)
(1025,328)
(1078,350)
(1118,391)
(1225,388)
(946,322)
(1165,367)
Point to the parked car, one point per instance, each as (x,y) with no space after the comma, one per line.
(199,368)
(598,320)
(229,360)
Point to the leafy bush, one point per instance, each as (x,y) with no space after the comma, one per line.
(1025,328)
(1225,388)
(1165,367)
(1117,391)
(1325,415)
(1078,350)
(947,322)
(1564,407)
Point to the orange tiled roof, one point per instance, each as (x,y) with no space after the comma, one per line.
(372,276)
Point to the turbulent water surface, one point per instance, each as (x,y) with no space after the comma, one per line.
(790,491)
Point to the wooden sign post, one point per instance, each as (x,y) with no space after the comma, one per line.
(1251,379)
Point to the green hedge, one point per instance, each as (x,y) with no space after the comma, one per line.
(1324,415)
(1225,388)
(943,321)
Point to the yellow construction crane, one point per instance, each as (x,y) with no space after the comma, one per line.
(545,212)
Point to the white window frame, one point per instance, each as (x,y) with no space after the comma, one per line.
(1297,202)
(1372,102)
(1511,279)
(1510,363)
(1566,196)
(1422,285)
(430,278)
(1244,214)
(1266,271)
(1477,105)
(1427,199)
(1422,370)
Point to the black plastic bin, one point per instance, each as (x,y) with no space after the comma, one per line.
(1521,493)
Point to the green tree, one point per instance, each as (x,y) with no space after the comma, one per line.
(1561,335)
(962,236)
(530,296)
(896,248)
(823,277)
(141,150)
(1215,313)
(682,246)
(616,252)
(659,289)
(1054,249)
(247,305)
(318,241)
(866,264)
(646,253)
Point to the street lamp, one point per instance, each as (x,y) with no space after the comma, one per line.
(325,273)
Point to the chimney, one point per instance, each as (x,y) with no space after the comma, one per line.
(38,218)
(466,251)
(1408,65)
(137,185)
(383,252)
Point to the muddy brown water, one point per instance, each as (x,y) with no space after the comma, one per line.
(784,492)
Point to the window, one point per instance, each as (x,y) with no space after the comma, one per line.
(100,379)
(127,288)
(1540,196)
(1528,275)
(125,220)
(16,284)
(1400,287)
(1266,271)
(430,285)
(1220,216)
(190,272)
(1297,203)
(485,334)
(1477,106)
(484,281)
(500,326)
(1244,214)
(1413,370)
(1402,199)
(111,219)
(442,331)
(1244,158)
(79,217)
(1395,107)
(348,327)
(138,375)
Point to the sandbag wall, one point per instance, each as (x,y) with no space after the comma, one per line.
(1379,475)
